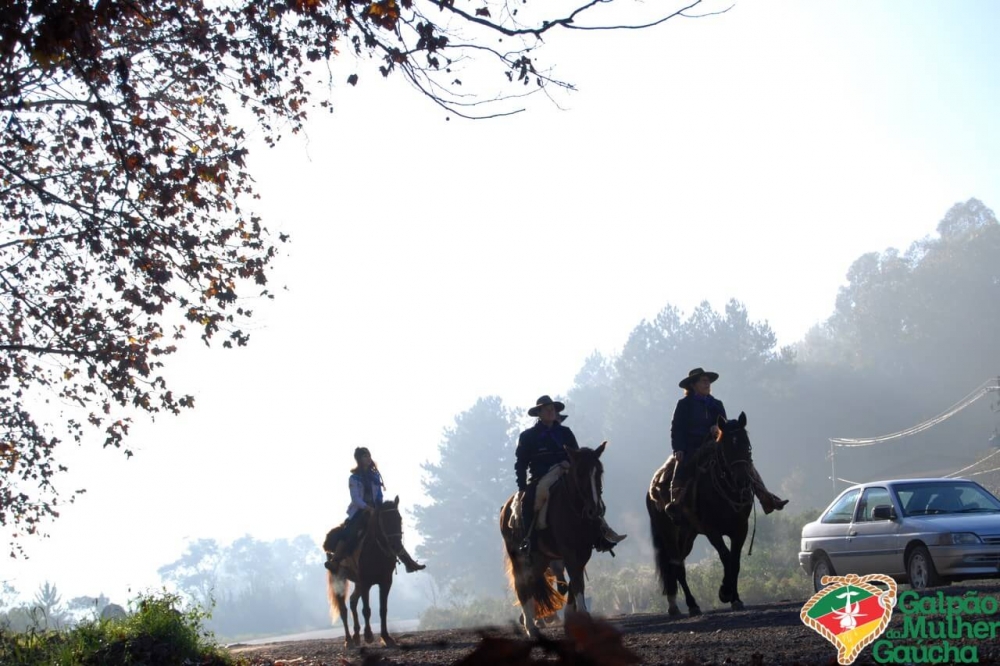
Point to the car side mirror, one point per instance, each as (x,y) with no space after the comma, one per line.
(883,512)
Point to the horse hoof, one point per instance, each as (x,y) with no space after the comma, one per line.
(389,642)
(694,611)
(348,643)
(369,637)
(724,595)
(357,640)
(673,611)
(737,605)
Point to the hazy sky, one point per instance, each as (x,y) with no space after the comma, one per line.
(752,155)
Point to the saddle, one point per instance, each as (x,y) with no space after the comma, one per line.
(350,563)
(542,493)
(659,487)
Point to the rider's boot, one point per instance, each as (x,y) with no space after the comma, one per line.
(768,501)
(333,562)
(411,564)
(678,491)
(607,538)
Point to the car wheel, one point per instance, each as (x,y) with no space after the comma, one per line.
(920,569)
(821,567)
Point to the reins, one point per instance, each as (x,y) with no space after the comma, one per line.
(383,543)
(720,474)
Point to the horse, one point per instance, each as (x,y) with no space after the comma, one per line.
(720,501)
(376,566)
(574,507)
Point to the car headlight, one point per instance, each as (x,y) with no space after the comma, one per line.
(958,538)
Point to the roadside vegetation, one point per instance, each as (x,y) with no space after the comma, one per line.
(154,633)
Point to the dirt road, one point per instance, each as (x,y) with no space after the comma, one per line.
(764,634)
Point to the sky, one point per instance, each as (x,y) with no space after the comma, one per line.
(750,155)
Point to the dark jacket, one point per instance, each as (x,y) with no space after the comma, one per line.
(692,419)
(539,448)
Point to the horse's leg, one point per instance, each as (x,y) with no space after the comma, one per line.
(519,572)
(678,571)
(355,595)
(692,605)
(576,600)
(670,578)
(383,610)
(342,609)
(726,589)
(529,576)
(735,553)
(367,610)
(558,568)
(335,591)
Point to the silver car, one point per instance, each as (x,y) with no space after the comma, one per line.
(923,531)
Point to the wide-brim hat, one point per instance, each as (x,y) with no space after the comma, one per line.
(695,375)
(544,401)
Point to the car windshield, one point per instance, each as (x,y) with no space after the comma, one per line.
(939,497)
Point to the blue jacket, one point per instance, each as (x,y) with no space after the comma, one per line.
(539,449)
(357,487)
(693,417)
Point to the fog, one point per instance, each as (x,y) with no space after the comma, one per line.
(796,198)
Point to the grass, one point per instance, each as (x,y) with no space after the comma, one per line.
(155,634)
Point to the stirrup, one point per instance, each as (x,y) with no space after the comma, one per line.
(605,546)
(612,536)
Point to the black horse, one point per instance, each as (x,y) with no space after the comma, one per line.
(718,505)
(376,564)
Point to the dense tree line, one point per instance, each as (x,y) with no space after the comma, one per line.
(911,334)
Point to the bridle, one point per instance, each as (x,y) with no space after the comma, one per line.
(739,495)
(589,510)
(383,538)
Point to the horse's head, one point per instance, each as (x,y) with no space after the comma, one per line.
(390,523)
(586,477)
(735,445)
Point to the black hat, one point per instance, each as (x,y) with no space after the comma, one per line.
(542,402)
(695,375)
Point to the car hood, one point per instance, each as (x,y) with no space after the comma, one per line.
(983,523)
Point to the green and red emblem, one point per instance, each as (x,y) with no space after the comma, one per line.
(850,613)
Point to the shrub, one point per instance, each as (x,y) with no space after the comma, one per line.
(155,634)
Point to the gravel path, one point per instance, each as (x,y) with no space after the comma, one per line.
(763,634)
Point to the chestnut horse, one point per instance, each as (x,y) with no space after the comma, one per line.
(573,510)
(376,565)
(720,499)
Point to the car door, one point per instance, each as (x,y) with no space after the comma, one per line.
(834,526)
(873,545)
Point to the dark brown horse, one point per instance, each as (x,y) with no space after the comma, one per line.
(720,500)
(376,564)
(574,506)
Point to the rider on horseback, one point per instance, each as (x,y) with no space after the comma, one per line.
(694,419)
(366,493)
(539,449)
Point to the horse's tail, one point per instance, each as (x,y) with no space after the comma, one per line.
(661,551)
(544,590)
(336,592)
